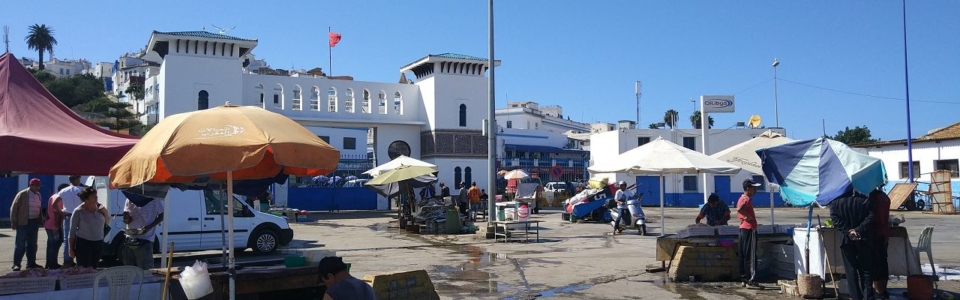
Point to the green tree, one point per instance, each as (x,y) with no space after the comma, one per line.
(117,114)
(43,76)
(856,135)
(41,39)
(135,92)
(695,120)
(73,90)
(670,118)
(653,126)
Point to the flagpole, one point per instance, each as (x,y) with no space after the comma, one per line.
(330,53)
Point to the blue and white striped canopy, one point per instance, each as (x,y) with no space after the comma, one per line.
(820,170)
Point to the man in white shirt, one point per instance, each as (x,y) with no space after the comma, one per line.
(70,198)
(621,197)
(138,248)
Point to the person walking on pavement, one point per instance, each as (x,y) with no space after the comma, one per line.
(26,218)
(881,237)
(747,254)
(138,249)
(621,197)
(473,195)
(854,217)
(69,200)
(54,228)
(462,198)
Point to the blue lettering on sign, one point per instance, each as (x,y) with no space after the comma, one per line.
(720,103)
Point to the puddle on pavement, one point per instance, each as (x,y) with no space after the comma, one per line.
(563,290)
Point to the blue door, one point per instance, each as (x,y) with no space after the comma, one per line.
(649,188)
(8,190)
(721,186)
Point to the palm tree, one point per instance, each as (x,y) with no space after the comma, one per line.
(695,120)
(670,118)
(41,39)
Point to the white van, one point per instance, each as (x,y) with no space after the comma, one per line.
(195,222)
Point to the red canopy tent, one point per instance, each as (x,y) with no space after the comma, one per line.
(40,135)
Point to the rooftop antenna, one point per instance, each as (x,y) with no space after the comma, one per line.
(223,30)
(6,37)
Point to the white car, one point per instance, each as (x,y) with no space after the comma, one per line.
(195,223)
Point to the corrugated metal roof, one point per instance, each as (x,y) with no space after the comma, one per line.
(204,34)
(951,132)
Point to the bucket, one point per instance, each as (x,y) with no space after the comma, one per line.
(524,212)
(809,286)
(919,287)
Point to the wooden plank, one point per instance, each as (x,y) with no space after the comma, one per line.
(899,194)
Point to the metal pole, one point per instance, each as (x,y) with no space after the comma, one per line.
(232,271)
(491,126)
(906,78)
(776,105)
(329,53)
(704,126)
(637,92)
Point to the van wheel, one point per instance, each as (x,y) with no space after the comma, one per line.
(264,241)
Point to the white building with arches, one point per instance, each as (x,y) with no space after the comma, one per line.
(437,119)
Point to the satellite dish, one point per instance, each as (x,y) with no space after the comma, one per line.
(754,121)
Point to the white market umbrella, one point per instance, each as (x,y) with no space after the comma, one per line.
(515,174)
(403,160)
(660,157)
(745,156)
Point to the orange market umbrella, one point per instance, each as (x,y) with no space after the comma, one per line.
(225,143)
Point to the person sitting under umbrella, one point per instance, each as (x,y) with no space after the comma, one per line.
(716,212)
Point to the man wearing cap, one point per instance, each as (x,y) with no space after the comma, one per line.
(621,197)
(70,199)
(340,284)
(748,235)
(26,219)
(716,212)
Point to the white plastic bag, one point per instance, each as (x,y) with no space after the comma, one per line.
(195,281)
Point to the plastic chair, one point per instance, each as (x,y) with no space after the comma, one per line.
(119,281)
(923,245)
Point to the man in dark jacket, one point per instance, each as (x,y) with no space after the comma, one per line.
(853,216)
(881,240)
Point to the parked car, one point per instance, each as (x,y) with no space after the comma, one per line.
(355,183)
(554,192)
(195,223)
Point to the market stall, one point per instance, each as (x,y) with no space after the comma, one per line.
(825,256)
(222,144)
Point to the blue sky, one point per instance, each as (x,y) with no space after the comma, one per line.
(586,55)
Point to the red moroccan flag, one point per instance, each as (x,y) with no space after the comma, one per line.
(334,39)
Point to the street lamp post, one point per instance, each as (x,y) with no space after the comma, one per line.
(776,105)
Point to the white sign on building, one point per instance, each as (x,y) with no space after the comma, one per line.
(717,103)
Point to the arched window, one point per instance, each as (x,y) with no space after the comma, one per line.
(467,175)
(315,99)
(397,103)
(278,97)
(297,98)
(382,101)
(463,115)
(457,177)
(348,102)
(203,100)
(365,105)
(332,100)
(259,88)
